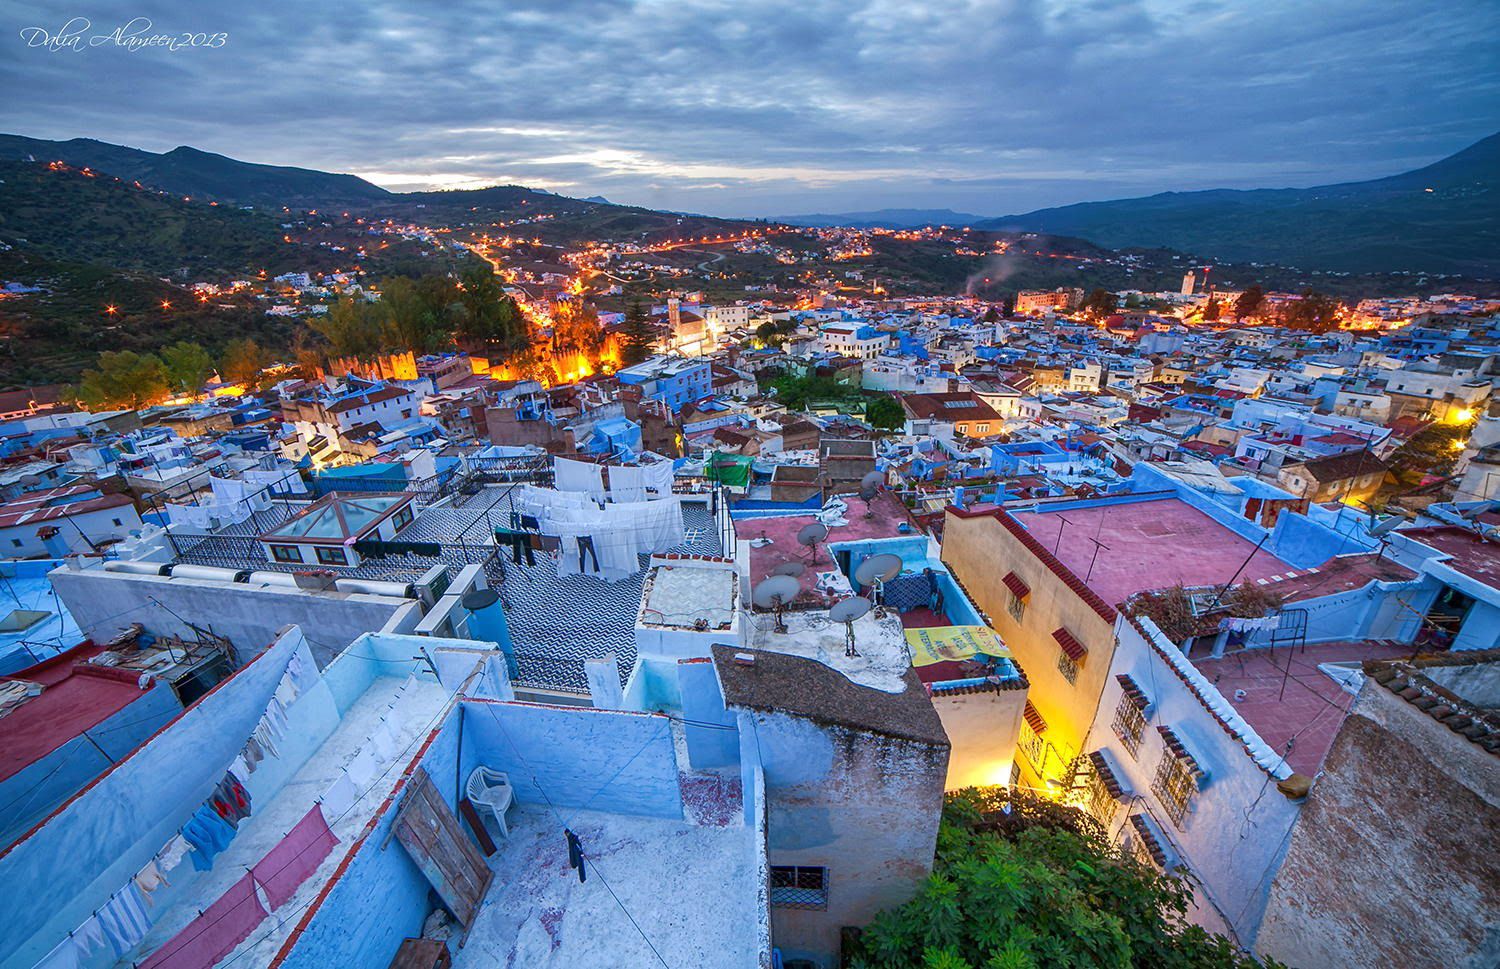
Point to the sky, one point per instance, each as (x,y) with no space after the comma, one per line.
(774,107)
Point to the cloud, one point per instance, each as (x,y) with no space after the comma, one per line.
(778,106)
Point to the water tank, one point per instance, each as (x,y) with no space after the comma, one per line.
(209,572)
(272,578)
(137,568)
(375,587)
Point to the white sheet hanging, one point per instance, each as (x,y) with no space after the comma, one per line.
(569,475)
(659,477)
(627,483)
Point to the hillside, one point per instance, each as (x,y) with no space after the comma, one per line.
(1443,218)
(96,219)
(883,218)
(199,174)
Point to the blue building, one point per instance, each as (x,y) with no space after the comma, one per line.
(672,380)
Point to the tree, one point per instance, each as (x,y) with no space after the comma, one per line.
(485,313)
(1036,886)
(885,413)
(575,327)
(353,327)
(1249,303)
(1098,304)
(124,379)
(1313,311)
(1212,310)
(186,365)
(420,311)
(243,362)
(991,315)
(637,340)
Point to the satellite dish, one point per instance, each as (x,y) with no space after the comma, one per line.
(792,569)
(870,484)
(846,611)
(1387,526)
(477,600)
(1473,512)
(812,533)
(774,593)
(877,569)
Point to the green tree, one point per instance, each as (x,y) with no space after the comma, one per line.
(124,379)
(1213,310)
(575,327)
(767,334)
(1098,304)
(1249,303)
(420,311)
(485,313)
(885,412)
(353,327)
(1036,886)
(637,341)
(991,315)
(187,366)
(243,361)
(1314,311)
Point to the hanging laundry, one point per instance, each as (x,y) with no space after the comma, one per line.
(276,718)
(150,878)
(659,477)
(208,834)
(214,934)
(340,796)
(70,953)
(295,858)
(231,800)
(627,483)
(580,476)
(123,919)
(387,747)
(362,769)
(171,856)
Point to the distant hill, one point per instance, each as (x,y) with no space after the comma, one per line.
(199,174)
(1444,218)
(883,218)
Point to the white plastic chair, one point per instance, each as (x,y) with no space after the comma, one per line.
(490,790)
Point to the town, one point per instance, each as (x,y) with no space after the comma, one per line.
(709,603)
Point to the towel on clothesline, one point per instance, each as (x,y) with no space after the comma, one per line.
(295,858)
(214,934)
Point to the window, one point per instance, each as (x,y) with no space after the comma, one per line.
(1130,723)
(403,517)
(1176,777)
(1067,667)
(795,886)
(286,553)
(332,556)
(982,428)
(16,542)
(117,521)
(1017,608)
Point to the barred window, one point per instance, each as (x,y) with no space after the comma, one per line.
(1174,785)
(1097,799)
(1032,746)
(1130,724)
(1067,667)
(795,886)
(1017,607)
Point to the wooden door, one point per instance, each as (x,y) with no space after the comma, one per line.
(430,833)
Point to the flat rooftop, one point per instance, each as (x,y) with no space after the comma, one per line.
(28,589)
(781,531)
(677,596)
(691,888)
(1471,555)
(1286,695)
(1146,543)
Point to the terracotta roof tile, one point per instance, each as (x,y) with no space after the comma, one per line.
(1070,644)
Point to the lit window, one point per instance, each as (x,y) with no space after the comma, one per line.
(796,886)
(1067,667)
(1017,608)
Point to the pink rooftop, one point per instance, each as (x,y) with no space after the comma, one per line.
(1150,544)
(1312,705)
(782,530)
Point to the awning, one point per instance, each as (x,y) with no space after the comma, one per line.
(1109,776)
(1133,691)
(1070,644)
(1179,750)
(1154,841)
(1034,719)
(1017,587)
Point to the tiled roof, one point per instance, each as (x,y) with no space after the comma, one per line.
(1145,831)
(1070,644)
(1403,678)
(1034,719)
(1014,584)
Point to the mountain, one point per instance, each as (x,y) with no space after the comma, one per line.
(883,218)
(1444,218)
(199,174)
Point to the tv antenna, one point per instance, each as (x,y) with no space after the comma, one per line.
(874,572)
(846,611)
(810,535)
(774,593)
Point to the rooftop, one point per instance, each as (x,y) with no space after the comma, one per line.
(1288,699)
(1472,555)
(75,697)
(887,513)
(1144,543)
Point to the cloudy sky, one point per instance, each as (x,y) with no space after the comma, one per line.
(775,107)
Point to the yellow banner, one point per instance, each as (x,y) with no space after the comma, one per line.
(940,644)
